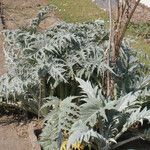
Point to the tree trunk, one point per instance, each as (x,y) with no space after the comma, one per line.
(124,13)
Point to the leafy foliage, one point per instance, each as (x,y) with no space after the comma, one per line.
(140,29)
(111,118)
(45,69)
(49,60)
(132,74)
(63,114)
(102,121)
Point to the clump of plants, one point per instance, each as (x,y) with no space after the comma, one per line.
(61,74)
(92,119)
(46,63)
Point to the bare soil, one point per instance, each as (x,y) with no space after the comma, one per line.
(18,135)
(13,136)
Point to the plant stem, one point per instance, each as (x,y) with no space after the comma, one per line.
(39,99)
(109,49)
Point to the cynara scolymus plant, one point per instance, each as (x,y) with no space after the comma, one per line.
(43,63)
(92,119)
(60,119)
(132,73)
(42,67)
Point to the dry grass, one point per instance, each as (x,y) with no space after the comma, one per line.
(142,45)
(78,10)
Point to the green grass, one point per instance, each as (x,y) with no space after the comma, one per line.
(78,10)
(139,29)
(139,32)
(140,44)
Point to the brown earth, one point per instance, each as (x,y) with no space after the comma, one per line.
(16,135)
(13,136)
(142,14)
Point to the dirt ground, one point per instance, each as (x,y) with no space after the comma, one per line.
(14,135)
(18,135)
